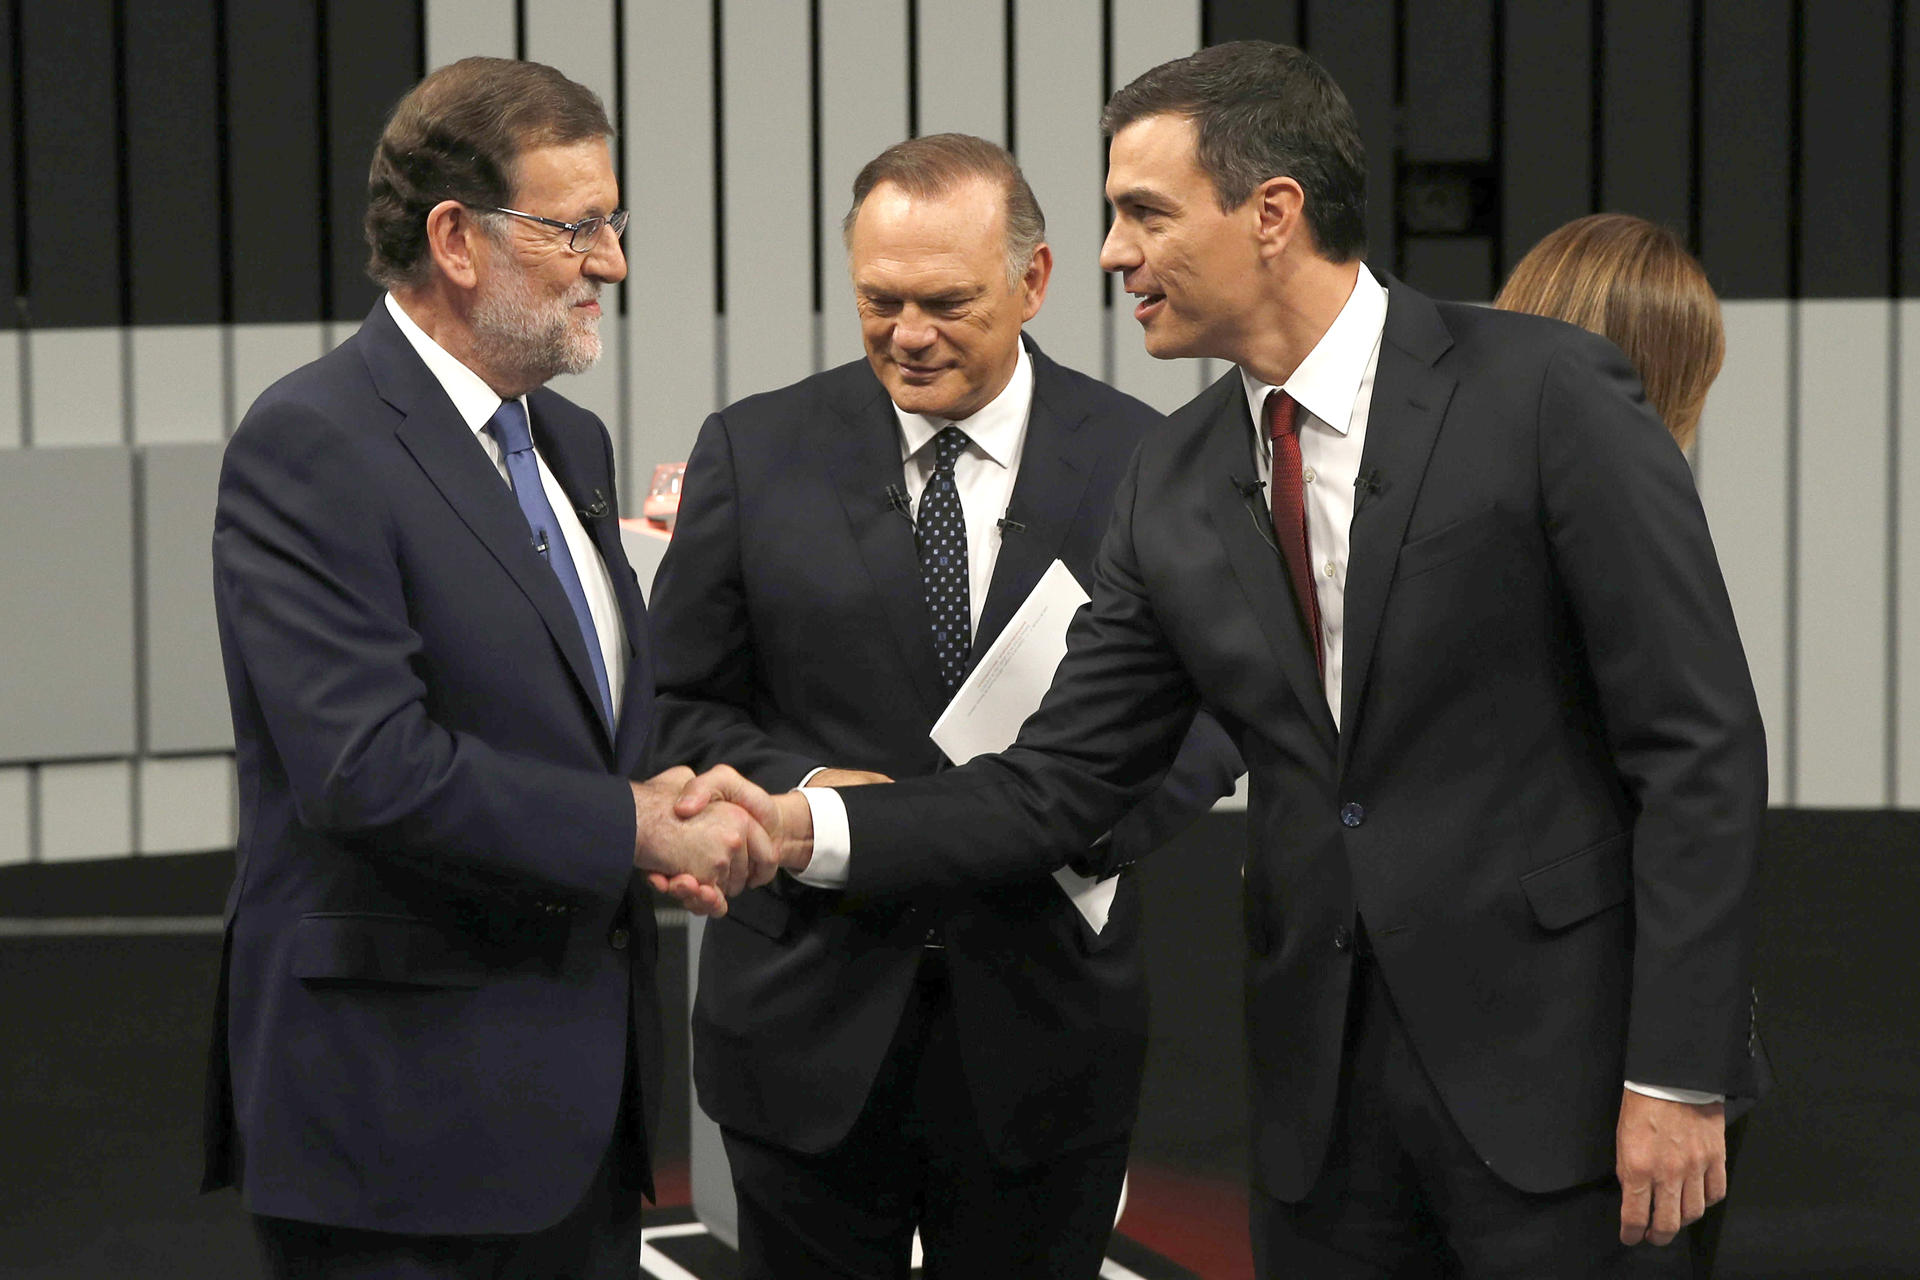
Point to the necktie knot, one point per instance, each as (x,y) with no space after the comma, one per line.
(509,427)
(947,448)
(1282,420)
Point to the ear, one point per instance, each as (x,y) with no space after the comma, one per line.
(1279,210)
(1034,283)
(453,236)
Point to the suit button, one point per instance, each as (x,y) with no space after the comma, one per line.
(1343,939)
(618,939)
(1352,815)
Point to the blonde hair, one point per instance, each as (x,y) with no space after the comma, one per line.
(1634,283)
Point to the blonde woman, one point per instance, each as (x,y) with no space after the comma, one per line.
(1633,282)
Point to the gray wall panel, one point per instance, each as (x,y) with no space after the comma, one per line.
(186,805)
(66,520)
(860,116)
(1057,100)
(179,384)
(672,332)
(1147,33)
(459,29)
(262,354)
(78,394)
(185,688)
(16,835)
(1840,658)
(962,61)
(12,350)
(86,810)
(767,159)
(1742,456)
(1906,587)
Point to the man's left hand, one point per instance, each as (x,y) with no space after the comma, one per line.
(1671,1158)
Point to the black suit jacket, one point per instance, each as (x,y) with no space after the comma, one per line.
(433,938)
(1543,801)
(790,621)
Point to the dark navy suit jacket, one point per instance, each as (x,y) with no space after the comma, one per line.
(791,625)
(438,982)
(1544,795)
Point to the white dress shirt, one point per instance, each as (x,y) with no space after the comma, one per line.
(984,475)
(476,402)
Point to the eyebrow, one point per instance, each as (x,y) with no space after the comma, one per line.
(1138,195)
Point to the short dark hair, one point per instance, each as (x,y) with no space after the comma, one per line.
(939,162)
(1263,111)
(459,135)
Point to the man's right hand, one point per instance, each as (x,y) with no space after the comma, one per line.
(704,858)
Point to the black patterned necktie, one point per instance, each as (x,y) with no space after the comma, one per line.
(940,532)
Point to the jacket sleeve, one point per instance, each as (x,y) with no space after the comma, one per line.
(1101,741)
(703,633)
(1630,543)
(313,614)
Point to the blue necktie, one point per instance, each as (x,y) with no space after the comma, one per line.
(509,427)
(940,532)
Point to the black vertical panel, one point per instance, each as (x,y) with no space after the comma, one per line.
(1449,79)
(1276,20)
(373,58)
(173,162)
(1357,42)
(1908,244)
(9,172)
(1746,121)
(71,169)
(273,150)
(1846,118)
(1447,198)
(1546,121)
(1646,126)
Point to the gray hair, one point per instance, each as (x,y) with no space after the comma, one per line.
(936,164)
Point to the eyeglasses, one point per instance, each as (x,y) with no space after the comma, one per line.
(581,234)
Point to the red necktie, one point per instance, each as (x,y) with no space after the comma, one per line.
(1290,513)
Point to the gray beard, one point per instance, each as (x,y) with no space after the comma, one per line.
(534,339)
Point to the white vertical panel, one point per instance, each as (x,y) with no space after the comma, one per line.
(79,390)
(459,29)
(1742,465)
(86,810)
(863,111)
(962,64)
(767,159)
(179,384)
(186,804)
(1057,99)
(265,353)
(1147,33)
(672,382)
(576,36)
(15,833)
(1840,658)
(10,348)
(1906,706)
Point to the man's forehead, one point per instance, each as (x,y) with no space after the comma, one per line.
(580,170)
(1153,152)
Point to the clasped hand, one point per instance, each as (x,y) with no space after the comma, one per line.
(701,839)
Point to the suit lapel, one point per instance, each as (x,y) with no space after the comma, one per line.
(1240,522)
(1409,400)
(864,458)
(1046,500)
(453,460)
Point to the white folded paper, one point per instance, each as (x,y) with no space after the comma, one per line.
(1005,687)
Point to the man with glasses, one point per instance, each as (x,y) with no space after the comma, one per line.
(436,1045)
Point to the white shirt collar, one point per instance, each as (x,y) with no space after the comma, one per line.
(995,429)
(1328,381)
(472,398)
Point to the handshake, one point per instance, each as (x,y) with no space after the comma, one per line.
(703,838)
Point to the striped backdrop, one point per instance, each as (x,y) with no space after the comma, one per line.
(183,182)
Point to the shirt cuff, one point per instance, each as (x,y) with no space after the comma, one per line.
(832,841)
(819,768)
(1696,1097)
